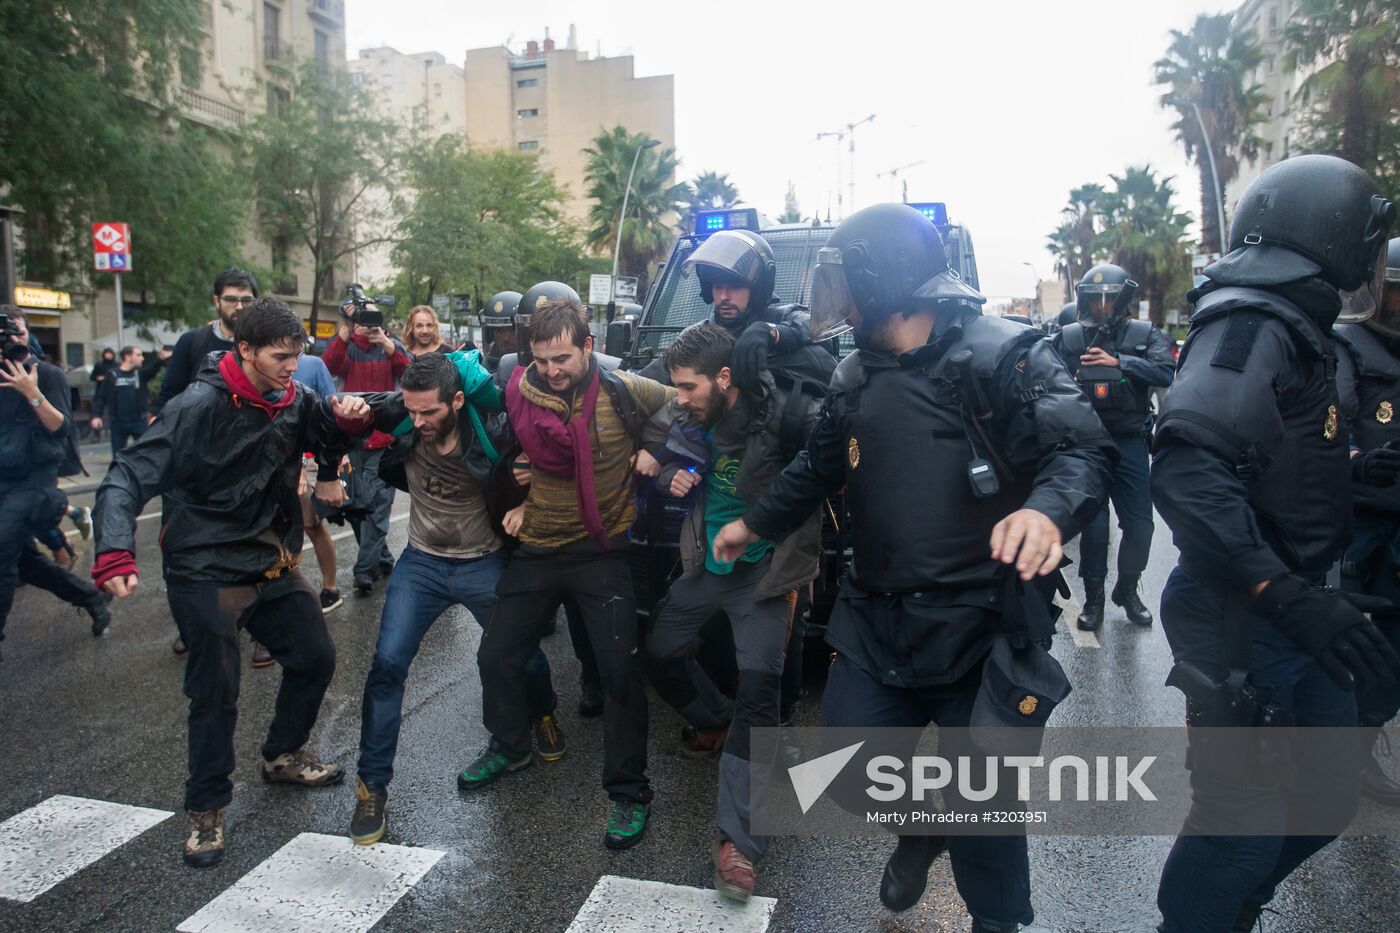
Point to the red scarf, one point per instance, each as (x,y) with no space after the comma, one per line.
(242,388)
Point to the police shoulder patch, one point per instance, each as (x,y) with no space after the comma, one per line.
(1240,333)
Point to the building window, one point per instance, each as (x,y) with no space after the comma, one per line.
(277,99)
(530,144)
(527,82)
(530,112)
(323,50)
(272,32)
(437,90)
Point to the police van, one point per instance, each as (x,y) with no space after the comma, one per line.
(673,303)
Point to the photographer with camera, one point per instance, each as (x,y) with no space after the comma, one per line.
(366,359)
(35,445)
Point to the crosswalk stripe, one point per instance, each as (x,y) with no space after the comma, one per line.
(316,882)
(1081,638)
(61,836)
(629,905)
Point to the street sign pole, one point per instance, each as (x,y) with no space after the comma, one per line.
(117,284)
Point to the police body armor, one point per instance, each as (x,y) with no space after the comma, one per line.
(907,428)
(1373,413)
(1299,491)
(1121,403)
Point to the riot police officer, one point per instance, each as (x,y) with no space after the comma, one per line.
(497,321)
(1069,313)
(936,529)
(1251,472)
(1117,360)
(1368,383)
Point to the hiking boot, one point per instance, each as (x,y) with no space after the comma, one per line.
(1375,782)
(906,873)
(330,601)
(364,584)
(178,646)
(367,825)
(1125,594)
(98,606)
(734,874)
(488,766)
(703,743)
(204,838)
(590,699)
(1091,619)
(261,656)
(82,520)
(626,825)
(301,767)
(549,739)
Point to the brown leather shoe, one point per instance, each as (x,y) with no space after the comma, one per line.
(704,743)
(261,656)
(301,767)
(734,874)
(204,838)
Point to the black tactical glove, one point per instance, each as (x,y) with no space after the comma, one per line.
(1344,642)
(1378,467)
(750,357)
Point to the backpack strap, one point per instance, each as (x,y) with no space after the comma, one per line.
(624,404)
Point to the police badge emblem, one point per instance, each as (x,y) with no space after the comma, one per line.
(853,454)
(1028,705)
(1329,427)
(1385,413)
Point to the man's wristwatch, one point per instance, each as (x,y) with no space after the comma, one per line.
(36,402)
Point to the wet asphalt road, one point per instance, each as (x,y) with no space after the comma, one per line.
(104,719)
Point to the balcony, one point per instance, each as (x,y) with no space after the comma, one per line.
(205,109)
(330,12)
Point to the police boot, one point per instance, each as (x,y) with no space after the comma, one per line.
(906,873)
(1091,619)
(1375,783)
(1125,594)
(992,926)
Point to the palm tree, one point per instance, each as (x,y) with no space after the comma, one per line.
(1353,95)
(1145,234)
(651,207)
(1212,66)
(1072,242)
(709,191)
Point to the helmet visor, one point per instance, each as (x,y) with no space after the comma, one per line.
(1095,302)
(1361,303)
(725,259)
(1387,319)
(831,297)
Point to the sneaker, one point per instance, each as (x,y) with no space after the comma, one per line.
(364,584)
(330,601)
(99,607)
(179,647)
(261,656)
(301,767)
(204,839)
(367,825)
(590,699)
(490,765)
(626,825)
(734,874)
(703,743)
(549,740)
(82,520)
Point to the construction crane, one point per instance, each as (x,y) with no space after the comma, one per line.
(846,133)
(894,174)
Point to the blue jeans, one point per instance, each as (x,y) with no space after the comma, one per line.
(1207,880)
(421,588)
(1132,500)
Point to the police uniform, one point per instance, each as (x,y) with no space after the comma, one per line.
(1251,471)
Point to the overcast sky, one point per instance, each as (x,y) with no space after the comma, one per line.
(1007,103)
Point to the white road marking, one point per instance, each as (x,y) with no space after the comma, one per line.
(60,837)
(627,905)
(316,882)
(1082,639)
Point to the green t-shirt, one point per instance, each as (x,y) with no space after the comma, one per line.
(722,506)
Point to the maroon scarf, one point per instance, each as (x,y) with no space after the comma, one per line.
(558,447)
(242,388)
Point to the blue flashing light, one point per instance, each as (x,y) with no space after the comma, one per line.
(935,211)
(708,222)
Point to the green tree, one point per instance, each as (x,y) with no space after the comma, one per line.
(1212,66)
(647,230)
(1349,101)
(1072,242)
(1145,234)
(792,214)
(324,170)
(90,130)
(483,222)
(708,191)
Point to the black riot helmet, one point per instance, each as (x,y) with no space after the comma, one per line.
(537,296)
(1068,314)
(1311,216)
(499,311)
(881,260)
(1100,297)
(735,257)
(1387,319)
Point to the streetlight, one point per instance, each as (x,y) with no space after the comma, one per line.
(1215,175)
(621,217)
